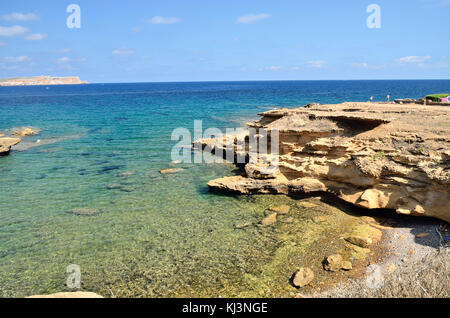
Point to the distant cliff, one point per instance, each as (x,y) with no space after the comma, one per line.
(41,80)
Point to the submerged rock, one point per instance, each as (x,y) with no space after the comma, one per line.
(24,132)
(171,170)
(269,220)
(303,277)
(127,173)
(242,225)
(282,209)
(84,211)
(306,204)
(113,186)
(6,144)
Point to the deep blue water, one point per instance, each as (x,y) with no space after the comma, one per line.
(90,134)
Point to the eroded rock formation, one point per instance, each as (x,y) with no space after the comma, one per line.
(373,155)
(6,144)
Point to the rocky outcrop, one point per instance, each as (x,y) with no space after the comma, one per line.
(372,155)
(6,144)
(24,132)
(41,80)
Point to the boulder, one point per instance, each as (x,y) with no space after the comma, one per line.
(333,263)
(303,277)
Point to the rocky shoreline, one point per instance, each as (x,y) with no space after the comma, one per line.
(372,155)
(378,157)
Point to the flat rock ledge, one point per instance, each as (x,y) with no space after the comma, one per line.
(373,155)
(6,143)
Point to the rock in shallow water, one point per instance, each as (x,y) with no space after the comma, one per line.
(170,171)
(269,220)
(303,277)
(333,263)
(282,209)
(6,144)
(127,174)
(25,132)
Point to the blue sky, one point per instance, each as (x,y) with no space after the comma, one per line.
(213,40)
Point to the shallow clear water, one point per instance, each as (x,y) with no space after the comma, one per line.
(156,235)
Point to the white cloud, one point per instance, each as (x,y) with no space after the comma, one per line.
(163,20)
(316,64)
(13,30)
(36,37)
(63,60)
(251,18)
(273,68)
(295,68)
(16,59)
(18,16)
(361,65)
(123,51)
(66,59)
(2,44)
(413,59)
(62,51)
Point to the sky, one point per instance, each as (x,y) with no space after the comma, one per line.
(218,40)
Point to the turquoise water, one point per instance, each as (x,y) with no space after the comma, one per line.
(157,235)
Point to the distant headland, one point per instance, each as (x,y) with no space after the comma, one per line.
(41,80)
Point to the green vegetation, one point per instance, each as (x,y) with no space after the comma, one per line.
(379,155)
(437,97)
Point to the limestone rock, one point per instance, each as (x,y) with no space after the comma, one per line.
(333,263)
(24,132)
(269,220)
(6,144)
(306,204)
(127,173)
(359,240)
(303,277)
(319,219)
(372,155)
(281,209)
(171,170)
(242,225)
(346,265)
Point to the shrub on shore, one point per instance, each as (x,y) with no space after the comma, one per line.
(437,97)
